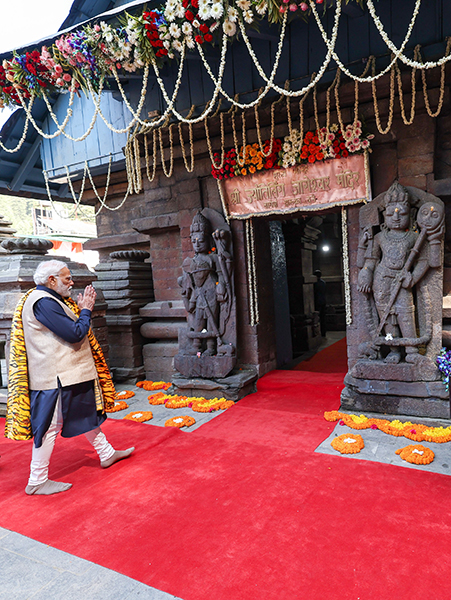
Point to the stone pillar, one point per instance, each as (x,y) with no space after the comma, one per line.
(126,283)
(17,267)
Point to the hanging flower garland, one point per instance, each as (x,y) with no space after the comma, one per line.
(180,422)
(139,416)
(397,428)
(416,454)
(348,443)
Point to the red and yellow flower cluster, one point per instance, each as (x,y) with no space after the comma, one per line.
(412,431)
(254,160)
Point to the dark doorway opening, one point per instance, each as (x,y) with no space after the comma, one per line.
(301,246)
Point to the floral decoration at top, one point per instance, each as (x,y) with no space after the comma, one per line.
(83,57)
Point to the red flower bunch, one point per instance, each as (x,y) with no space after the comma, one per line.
(229,166)
(150,24)
(271,162)
(204,32)
(311,150)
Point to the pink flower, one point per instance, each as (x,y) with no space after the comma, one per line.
(293,7)
(365,144)
(341,423)
(58,69)
(303,6)
(59,81)
(374,426)
(67,77)
(96,27)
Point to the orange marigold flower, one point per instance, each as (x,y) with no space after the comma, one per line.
(180,422)
(118,405)
(416,454)
(124,395)
(348,443)
(139,415)
(252,169)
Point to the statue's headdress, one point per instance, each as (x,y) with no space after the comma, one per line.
(200,224)
(396,193)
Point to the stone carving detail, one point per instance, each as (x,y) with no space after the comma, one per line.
(130,255)
(27,245)
(397,260)
(207,346)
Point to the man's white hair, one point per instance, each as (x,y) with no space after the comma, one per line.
(47,268)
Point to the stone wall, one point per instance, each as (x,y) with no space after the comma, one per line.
(158,219)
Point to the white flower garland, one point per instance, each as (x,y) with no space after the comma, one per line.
(347,285)
(24,135)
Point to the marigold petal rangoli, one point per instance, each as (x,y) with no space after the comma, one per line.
(139,415)
(416,454)
(118,405)
(124,395)
(348,443)
(180,422)
(150,386)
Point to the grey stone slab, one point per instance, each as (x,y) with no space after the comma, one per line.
(14,585)
(380,447)
(44,554)
(161,414)
(98,584)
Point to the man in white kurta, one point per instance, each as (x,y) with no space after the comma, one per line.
(62,374)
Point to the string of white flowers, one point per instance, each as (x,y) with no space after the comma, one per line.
(207,134)
(254,316)
(96,98)
(413,92)
(223,202)
(28,109)
(61,127)
(22,139)
(191,146)
(442,85)
(171,152)
(143,91)
(76,200)
(320,73)
(170,102)
(347,285)
(397,53)
(407,61)
(271,134)
(240,161)
(154,155)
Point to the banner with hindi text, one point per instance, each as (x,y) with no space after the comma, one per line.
(305,187)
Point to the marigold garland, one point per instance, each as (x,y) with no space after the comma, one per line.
(205,405)
(118,405)
(124,395)
(150,386)
(179,422)
(413,431)
(416,454)
(139,415)
(348,443)
(158,398)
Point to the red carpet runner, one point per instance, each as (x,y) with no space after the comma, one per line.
(243,508)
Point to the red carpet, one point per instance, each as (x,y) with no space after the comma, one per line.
(333,359)
(243,508)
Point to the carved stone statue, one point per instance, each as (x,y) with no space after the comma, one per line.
(395,260)
(207,347)
(397,313)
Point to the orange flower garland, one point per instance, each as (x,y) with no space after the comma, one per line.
(124,395)
(156,399)
(180,422)
(150,386)
(118,405)
(140,416)
(413,431)
(204,405)
(416,454)
(348,443)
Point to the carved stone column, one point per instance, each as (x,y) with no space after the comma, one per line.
(126,283)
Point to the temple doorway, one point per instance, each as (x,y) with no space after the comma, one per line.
(300,247)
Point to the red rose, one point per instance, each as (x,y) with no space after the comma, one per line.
(195,3)
(185,3)
(204,28)
(189,15)
(345,153)
(208,37)
(199,39)
(342,146)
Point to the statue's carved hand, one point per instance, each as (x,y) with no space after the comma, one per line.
(407,281)
(365,282)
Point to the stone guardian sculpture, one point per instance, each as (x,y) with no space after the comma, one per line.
(207,346)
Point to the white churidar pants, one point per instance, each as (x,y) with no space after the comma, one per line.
(40,459)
